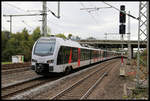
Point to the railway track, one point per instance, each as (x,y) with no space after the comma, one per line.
(14,89)
(15,65)
(82,88)
(9,71)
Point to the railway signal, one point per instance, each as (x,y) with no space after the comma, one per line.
(122,14)
(122,29)
(122,20)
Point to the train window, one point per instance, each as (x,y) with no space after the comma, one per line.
(44,48)
(88,54)
(74,54)
(67,54)
(60,57)
(103,53)
(100,54)
(63,55)
(85,54)
(81,54)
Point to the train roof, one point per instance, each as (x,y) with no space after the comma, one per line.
(68,42)
(65,42)
(61,41)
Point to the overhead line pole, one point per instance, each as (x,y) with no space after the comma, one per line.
(129,45)
(44,19)
(143,30)
(13,15)
(10,24)
(44,23)
(58,9)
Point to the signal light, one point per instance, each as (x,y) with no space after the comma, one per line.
(122,29)
(122,15)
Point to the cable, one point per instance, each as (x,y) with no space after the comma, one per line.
(27,24)
(120,11)
(53,13)
(17,7)
(89,13)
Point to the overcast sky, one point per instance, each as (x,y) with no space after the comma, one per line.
(72,19)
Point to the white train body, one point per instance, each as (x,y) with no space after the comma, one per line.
(53,54)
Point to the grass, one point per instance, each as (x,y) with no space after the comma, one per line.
(139,93)
(6,63)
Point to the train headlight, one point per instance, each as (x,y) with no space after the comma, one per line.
(33,60)
(50,61)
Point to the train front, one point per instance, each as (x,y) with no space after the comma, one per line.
(43,55)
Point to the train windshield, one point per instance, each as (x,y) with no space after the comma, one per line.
(44,48)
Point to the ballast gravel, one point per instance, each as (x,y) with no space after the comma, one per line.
(41,92)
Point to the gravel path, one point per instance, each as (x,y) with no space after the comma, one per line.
(110,88)
(14,77)
(80,89)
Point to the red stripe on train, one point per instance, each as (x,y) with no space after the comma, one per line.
(78,56)
(70,57)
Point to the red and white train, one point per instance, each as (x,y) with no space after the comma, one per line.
(53,54)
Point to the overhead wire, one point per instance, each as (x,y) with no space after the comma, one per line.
(23,11)
(89,13)
(95,7)
(53,13)
(51,21)
(28,11)
(27,24)
(17,7)
(120,11)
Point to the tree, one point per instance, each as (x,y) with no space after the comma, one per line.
(36,34)
(9,50)
(20,43)
(61,36)
(69,36)
(4,40)
(25,34)
(91,38)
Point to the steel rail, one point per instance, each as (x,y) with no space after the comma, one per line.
(14,66)
(8,71)
(26,86)
(96,83)
(78,82)
(89,91)
(8,87)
